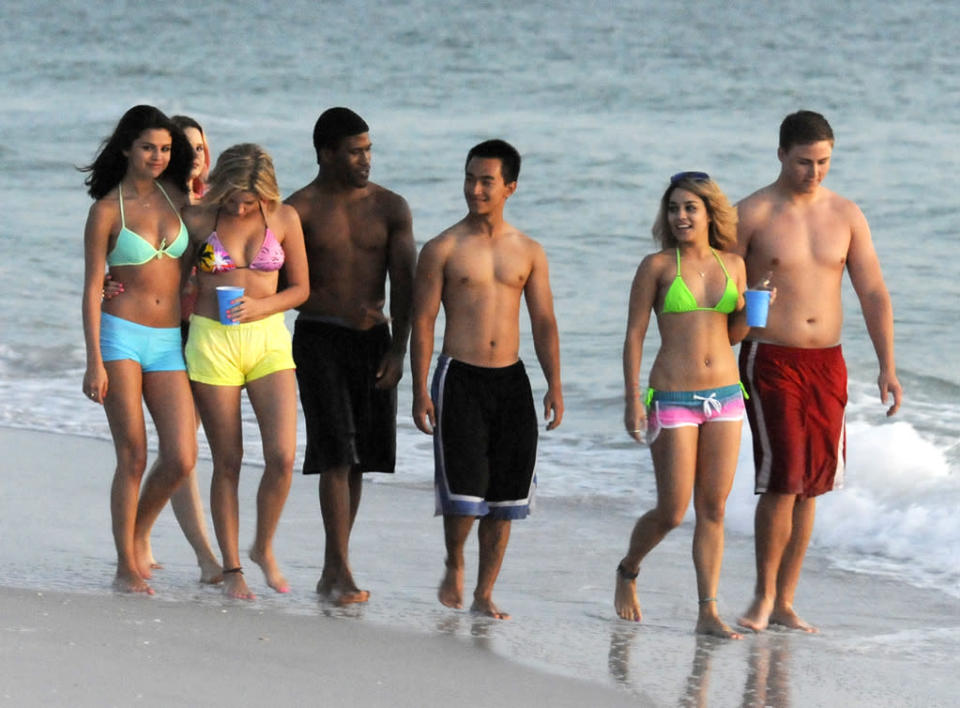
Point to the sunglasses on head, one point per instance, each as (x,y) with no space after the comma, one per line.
(692,176)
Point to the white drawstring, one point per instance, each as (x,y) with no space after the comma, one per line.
(711,406)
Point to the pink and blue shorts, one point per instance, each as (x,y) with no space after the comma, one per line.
(678,409)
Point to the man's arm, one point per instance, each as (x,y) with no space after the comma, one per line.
(546,339)
(867,278)
(737,327)
(427,295)
(401,263)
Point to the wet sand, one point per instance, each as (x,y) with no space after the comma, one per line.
(66,638)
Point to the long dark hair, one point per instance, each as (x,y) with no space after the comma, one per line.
(110,165)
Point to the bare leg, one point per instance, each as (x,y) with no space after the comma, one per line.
(493,535)
(188,508)
(125,415)
(455,532)
(804,512)
(274,400)
(168,398)
(773,526)
(220,411)
(340,491)
(674,455)
(716,465)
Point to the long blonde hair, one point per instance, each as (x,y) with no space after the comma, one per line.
(246,167)
(723,216)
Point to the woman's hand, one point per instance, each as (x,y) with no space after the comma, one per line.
(95,383)
(111,287)
(247,309)
(635,417)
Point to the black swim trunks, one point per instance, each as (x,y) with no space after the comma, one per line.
(348,421)
(485,442)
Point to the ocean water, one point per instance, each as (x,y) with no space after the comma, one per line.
(604,102)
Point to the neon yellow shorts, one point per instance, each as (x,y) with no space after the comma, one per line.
(232,355)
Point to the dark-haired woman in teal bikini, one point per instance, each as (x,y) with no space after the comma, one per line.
(133,342)
(692,412)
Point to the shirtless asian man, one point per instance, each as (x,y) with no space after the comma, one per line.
(480,410)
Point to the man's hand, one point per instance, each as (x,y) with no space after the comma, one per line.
(889,384)
(553,408)
(423,413)
(390,371)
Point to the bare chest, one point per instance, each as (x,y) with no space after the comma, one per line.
(791,243)
(479,268)
(344,231)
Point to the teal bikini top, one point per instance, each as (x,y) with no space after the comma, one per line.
(680,299)
(133,249)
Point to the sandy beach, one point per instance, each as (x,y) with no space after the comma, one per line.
(67,639)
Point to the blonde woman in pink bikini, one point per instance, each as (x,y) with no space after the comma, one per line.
(242,236)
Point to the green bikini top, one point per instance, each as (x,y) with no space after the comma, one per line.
(680,299)
(133,249)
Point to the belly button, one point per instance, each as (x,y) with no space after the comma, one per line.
(706,362)
(493,344)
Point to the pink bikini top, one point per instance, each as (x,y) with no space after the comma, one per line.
(214,258)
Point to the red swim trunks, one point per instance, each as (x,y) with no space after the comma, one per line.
(796,414)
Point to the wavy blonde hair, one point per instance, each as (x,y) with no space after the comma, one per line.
(723,216)
(246,167)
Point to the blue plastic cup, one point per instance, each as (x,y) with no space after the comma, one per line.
(226,294)
(758,305)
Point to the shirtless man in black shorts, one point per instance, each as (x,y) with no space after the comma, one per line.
(349,359)
(481,410)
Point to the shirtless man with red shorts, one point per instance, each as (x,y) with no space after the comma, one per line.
(805,236)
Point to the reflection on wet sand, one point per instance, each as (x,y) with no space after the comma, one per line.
(767,670)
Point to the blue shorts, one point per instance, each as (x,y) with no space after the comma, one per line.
(154,348)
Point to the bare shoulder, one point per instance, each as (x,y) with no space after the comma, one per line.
(445,241)
(105,208)
(653,264)
(389,201)
(198,218)
(285,214)
(176,194)
(844,208)
(756,207)
(303,199)
(731,259)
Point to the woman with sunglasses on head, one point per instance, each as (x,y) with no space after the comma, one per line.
(133,343)
(244,236)
(692,410)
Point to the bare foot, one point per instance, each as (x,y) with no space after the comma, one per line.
(268,564)
(486,608)
(211,572)
(786,617)
(340,593)
(235,586)
(151,561)
(450,592)
(716,627)
(757,616)
(128,581)
(144,558)
(625,597)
